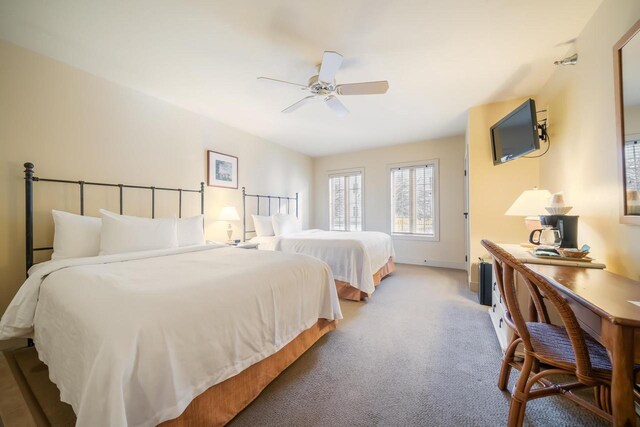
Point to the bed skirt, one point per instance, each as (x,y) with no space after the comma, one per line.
(220,403)
(346,291)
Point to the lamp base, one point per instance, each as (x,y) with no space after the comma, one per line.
(229,233)
(532,223)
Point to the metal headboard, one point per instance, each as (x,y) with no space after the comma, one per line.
(29,179)
(268,199)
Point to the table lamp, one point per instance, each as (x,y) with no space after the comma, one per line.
(531,204)
(229,213)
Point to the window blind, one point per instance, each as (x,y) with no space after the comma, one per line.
(632,165)
(412,200)
(345,202)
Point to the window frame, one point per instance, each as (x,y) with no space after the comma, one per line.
(434,163)
(345,173)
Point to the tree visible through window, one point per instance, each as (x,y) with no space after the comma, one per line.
(412,200)
(345,200)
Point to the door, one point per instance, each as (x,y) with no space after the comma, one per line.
(467,231)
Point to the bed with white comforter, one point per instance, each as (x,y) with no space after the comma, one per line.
(131,339)
(354,257)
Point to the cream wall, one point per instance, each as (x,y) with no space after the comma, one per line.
(74,125)
(449,251)
(583,161)
(492,189)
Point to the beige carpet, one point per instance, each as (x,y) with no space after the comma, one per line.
(421,352)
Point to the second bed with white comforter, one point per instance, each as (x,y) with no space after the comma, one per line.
(354,257)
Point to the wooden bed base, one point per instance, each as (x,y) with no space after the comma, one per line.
(220,403)
(346,291)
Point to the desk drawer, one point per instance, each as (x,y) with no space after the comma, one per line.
(503,332)
(589,321)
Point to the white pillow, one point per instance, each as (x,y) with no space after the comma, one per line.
(262,225)
(191,231)
(121,233)
(285,224)
(75,235)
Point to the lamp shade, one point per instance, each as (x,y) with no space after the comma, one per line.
(229,213)
(530,203)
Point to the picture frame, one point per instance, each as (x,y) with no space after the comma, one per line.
(222,170)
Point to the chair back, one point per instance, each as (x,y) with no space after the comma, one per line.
(499,270)
(539,289)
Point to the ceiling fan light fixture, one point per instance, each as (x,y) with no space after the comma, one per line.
(324,85)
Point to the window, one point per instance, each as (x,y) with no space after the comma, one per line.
(632,165)
(345,201)
(413,200)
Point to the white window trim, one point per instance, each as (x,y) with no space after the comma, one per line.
(346,172)
(436,201)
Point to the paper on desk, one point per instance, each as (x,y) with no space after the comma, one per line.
(635,302)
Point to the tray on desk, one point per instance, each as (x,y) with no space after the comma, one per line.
(563,258)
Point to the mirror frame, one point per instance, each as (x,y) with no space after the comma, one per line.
(617,78)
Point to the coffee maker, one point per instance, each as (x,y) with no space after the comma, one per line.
(566,224)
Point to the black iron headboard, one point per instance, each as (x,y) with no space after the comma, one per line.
(29,179)
(268,198)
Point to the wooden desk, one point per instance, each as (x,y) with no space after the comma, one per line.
(498,310)
(600,300)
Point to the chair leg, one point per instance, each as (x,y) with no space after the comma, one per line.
(505,369)
(606,399)
(602,397)
(519,395)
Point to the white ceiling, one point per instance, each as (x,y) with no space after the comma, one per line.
(440,57)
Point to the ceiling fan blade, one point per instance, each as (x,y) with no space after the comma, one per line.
(298,104)
(337,106)
(331,62)
(367,88)
(282,81)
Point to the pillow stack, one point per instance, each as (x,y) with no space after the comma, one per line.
(263,225)
(286,224)
(83,236)
(276,225)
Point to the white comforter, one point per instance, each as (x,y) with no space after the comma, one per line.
(354,256)
(131,339)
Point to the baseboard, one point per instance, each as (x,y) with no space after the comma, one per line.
(431,263)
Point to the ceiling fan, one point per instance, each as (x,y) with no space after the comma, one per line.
(323,86)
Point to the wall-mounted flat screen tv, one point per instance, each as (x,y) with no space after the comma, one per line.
(516,134)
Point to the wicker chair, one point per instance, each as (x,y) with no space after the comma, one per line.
(549,350)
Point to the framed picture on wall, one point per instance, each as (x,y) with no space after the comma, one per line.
(222,170)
